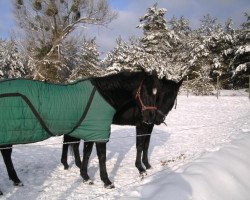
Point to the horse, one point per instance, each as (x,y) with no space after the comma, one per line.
(129,114)
(113,91)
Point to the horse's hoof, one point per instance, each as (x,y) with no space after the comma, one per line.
(143,174)
(1,193)
(18,184)
(66,167)
(148,167)
(88,182)
(110,186)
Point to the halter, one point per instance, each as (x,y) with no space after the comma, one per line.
(138,95)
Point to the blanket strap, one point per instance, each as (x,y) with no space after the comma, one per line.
(85,111)
(33,109)
(39,118)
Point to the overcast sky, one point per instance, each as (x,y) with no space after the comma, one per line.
(129,12)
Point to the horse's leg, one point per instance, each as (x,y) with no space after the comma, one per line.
(148,132)
(140,140)
(75,148)
(64,156)
(101,153)
(6,153)
(87,149)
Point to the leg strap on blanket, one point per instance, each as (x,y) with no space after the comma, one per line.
(85,111)
(39,118)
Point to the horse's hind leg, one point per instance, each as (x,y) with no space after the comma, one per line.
(75,148)
(101,153)
(64,157)
(6,153)
(87,149)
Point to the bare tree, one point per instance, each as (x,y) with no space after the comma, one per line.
(47,23)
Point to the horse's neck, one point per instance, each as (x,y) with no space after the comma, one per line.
(117,90)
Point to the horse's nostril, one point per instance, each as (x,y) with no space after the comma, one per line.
(147,122)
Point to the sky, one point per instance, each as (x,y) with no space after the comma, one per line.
(129,12)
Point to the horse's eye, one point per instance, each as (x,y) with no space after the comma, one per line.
(154,91)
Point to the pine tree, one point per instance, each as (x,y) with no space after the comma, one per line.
(159,50)
(241,60)
(87,61)
(128,57)
(11,61)
(201,85)
(209,42)
(163,43)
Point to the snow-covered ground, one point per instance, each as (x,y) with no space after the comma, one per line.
(203,154)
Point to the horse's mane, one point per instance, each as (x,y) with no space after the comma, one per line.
(116,81)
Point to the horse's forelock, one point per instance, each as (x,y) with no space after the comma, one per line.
(169,91)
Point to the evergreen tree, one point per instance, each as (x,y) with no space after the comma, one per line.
(129,57)
(211,54)
(241,60)
(160,49)
(164,43)
(86,60)
(11,61)
(201,85)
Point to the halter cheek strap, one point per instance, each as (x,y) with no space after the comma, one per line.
(138,95)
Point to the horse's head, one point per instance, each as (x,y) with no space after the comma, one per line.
(146,95)
(166,99)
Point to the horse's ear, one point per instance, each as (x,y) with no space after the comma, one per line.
(154,73)
(180,82)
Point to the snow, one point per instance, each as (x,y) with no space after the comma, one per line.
(243,49)
(203,154)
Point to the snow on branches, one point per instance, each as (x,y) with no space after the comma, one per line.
(11,65)
(132,57)
(157,50)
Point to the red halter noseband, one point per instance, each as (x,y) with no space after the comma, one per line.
(138,95)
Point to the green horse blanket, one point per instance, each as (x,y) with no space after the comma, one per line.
(32,111)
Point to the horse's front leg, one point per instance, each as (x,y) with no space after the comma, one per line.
(101,153)
(148,132)
(140,140)
(87,149)
(6,153)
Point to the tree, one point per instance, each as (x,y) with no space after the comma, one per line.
(214,44)
(240,63)
(163,43)
(160,49)
(86,61)
(47,24)
(11,61)
(129,57)
(201,85)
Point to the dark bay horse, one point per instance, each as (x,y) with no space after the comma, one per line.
(118,90)
(129,114)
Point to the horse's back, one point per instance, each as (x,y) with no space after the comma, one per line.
(59,106)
